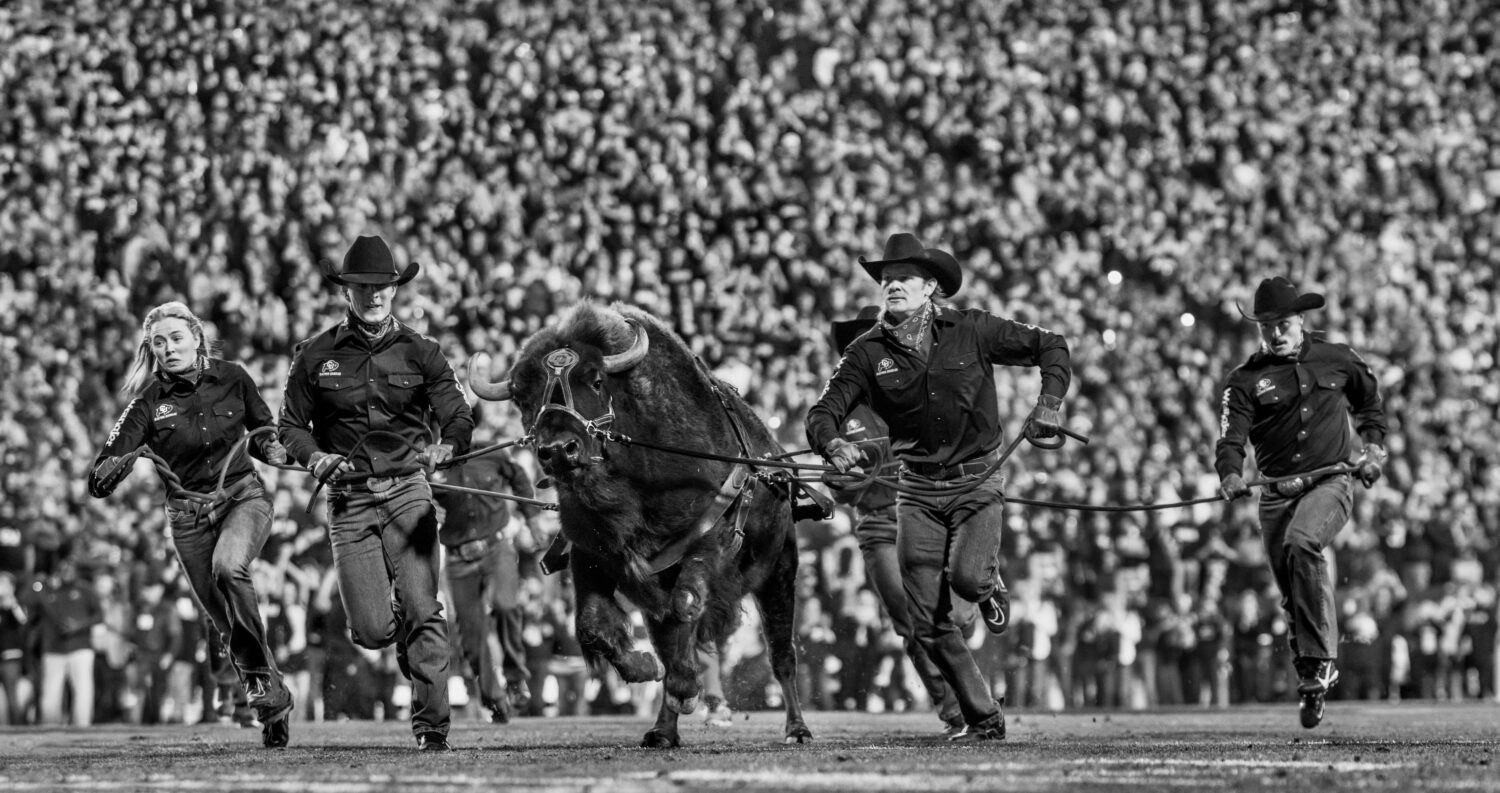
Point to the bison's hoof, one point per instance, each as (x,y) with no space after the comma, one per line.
(687,605)
(682,706)
(798,733)
(641,667)
(659,739)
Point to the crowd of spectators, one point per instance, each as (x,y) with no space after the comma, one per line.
(1123,173)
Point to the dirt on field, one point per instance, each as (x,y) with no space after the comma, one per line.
(1397,747)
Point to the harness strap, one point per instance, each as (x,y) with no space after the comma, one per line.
(729,493)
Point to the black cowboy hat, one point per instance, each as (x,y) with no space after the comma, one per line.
(845,331)
(369,263)
(1276,297)
(903,247)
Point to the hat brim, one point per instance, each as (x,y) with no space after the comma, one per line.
(950,282)
(1304,302)
(371,279)
(847,330)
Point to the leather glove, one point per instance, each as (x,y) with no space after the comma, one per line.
(1233,487)
(324,465)
(274,452)
(1045,418)
(435,455)
(843,454)
(1371,464)
(112,470)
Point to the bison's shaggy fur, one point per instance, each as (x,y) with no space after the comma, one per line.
(621,504)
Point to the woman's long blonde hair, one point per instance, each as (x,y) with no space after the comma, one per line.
(143,368)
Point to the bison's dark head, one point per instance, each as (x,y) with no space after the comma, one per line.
(561,385)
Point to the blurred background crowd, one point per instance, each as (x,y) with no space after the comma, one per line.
(1122,173)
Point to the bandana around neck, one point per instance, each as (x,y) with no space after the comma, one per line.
(912,332)
(372,331)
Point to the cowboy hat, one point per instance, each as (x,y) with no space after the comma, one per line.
(845,331)
(903,247)
(1276,297)
(369,263)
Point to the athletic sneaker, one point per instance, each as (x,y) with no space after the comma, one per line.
(432,742)
(994,730)
(268,696)
(995,610)
(276,734)
(1317,677)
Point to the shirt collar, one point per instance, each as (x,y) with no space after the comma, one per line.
(344,331)
(174,384)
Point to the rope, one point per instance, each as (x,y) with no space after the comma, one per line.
(1329,470)
(175,488)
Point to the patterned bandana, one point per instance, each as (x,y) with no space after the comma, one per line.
(912,332)
(372,332)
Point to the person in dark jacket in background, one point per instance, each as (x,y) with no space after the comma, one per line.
(927,370)
(483,572)
(192,411)
(351,388)
(1292,401)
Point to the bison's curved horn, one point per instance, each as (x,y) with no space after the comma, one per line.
(632,356)
(498,391)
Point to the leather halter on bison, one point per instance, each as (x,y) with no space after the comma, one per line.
(683,537)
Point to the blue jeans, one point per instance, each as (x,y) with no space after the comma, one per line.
(951,541)
(216,557)
(1296,530)
(877,533)
(383,544)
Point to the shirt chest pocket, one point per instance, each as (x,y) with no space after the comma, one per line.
(228,414)
(1333,381)
(402,388)
(1274,390)
(955,372)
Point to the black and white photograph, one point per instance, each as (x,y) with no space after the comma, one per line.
(749,395)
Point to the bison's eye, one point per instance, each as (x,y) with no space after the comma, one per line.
(597,382)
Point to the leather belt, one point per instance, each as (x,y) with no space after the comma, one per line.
(471,550)
(970,467)
(374,484)
(1291,488)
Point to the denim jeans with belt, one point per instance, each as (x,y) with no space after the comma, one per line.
(1295,530)
(215,552)
(950,544)
(386,543)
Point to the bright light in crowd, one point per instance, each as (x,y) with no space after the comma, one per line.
(1109,337)
(1188,320)
(1114,277)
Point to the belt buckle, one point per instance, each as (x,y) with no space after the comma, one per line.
(1291,487)
(380,484)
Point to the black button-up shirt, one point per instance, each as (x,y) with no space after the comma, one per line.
(942,409)
(1296,413)
(341,387)
(191,426)
(468,517)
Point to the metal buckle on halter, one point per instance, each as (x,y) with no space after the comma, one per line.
(559,362)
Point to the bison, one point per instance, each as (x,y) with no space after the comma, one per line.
(612,398)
